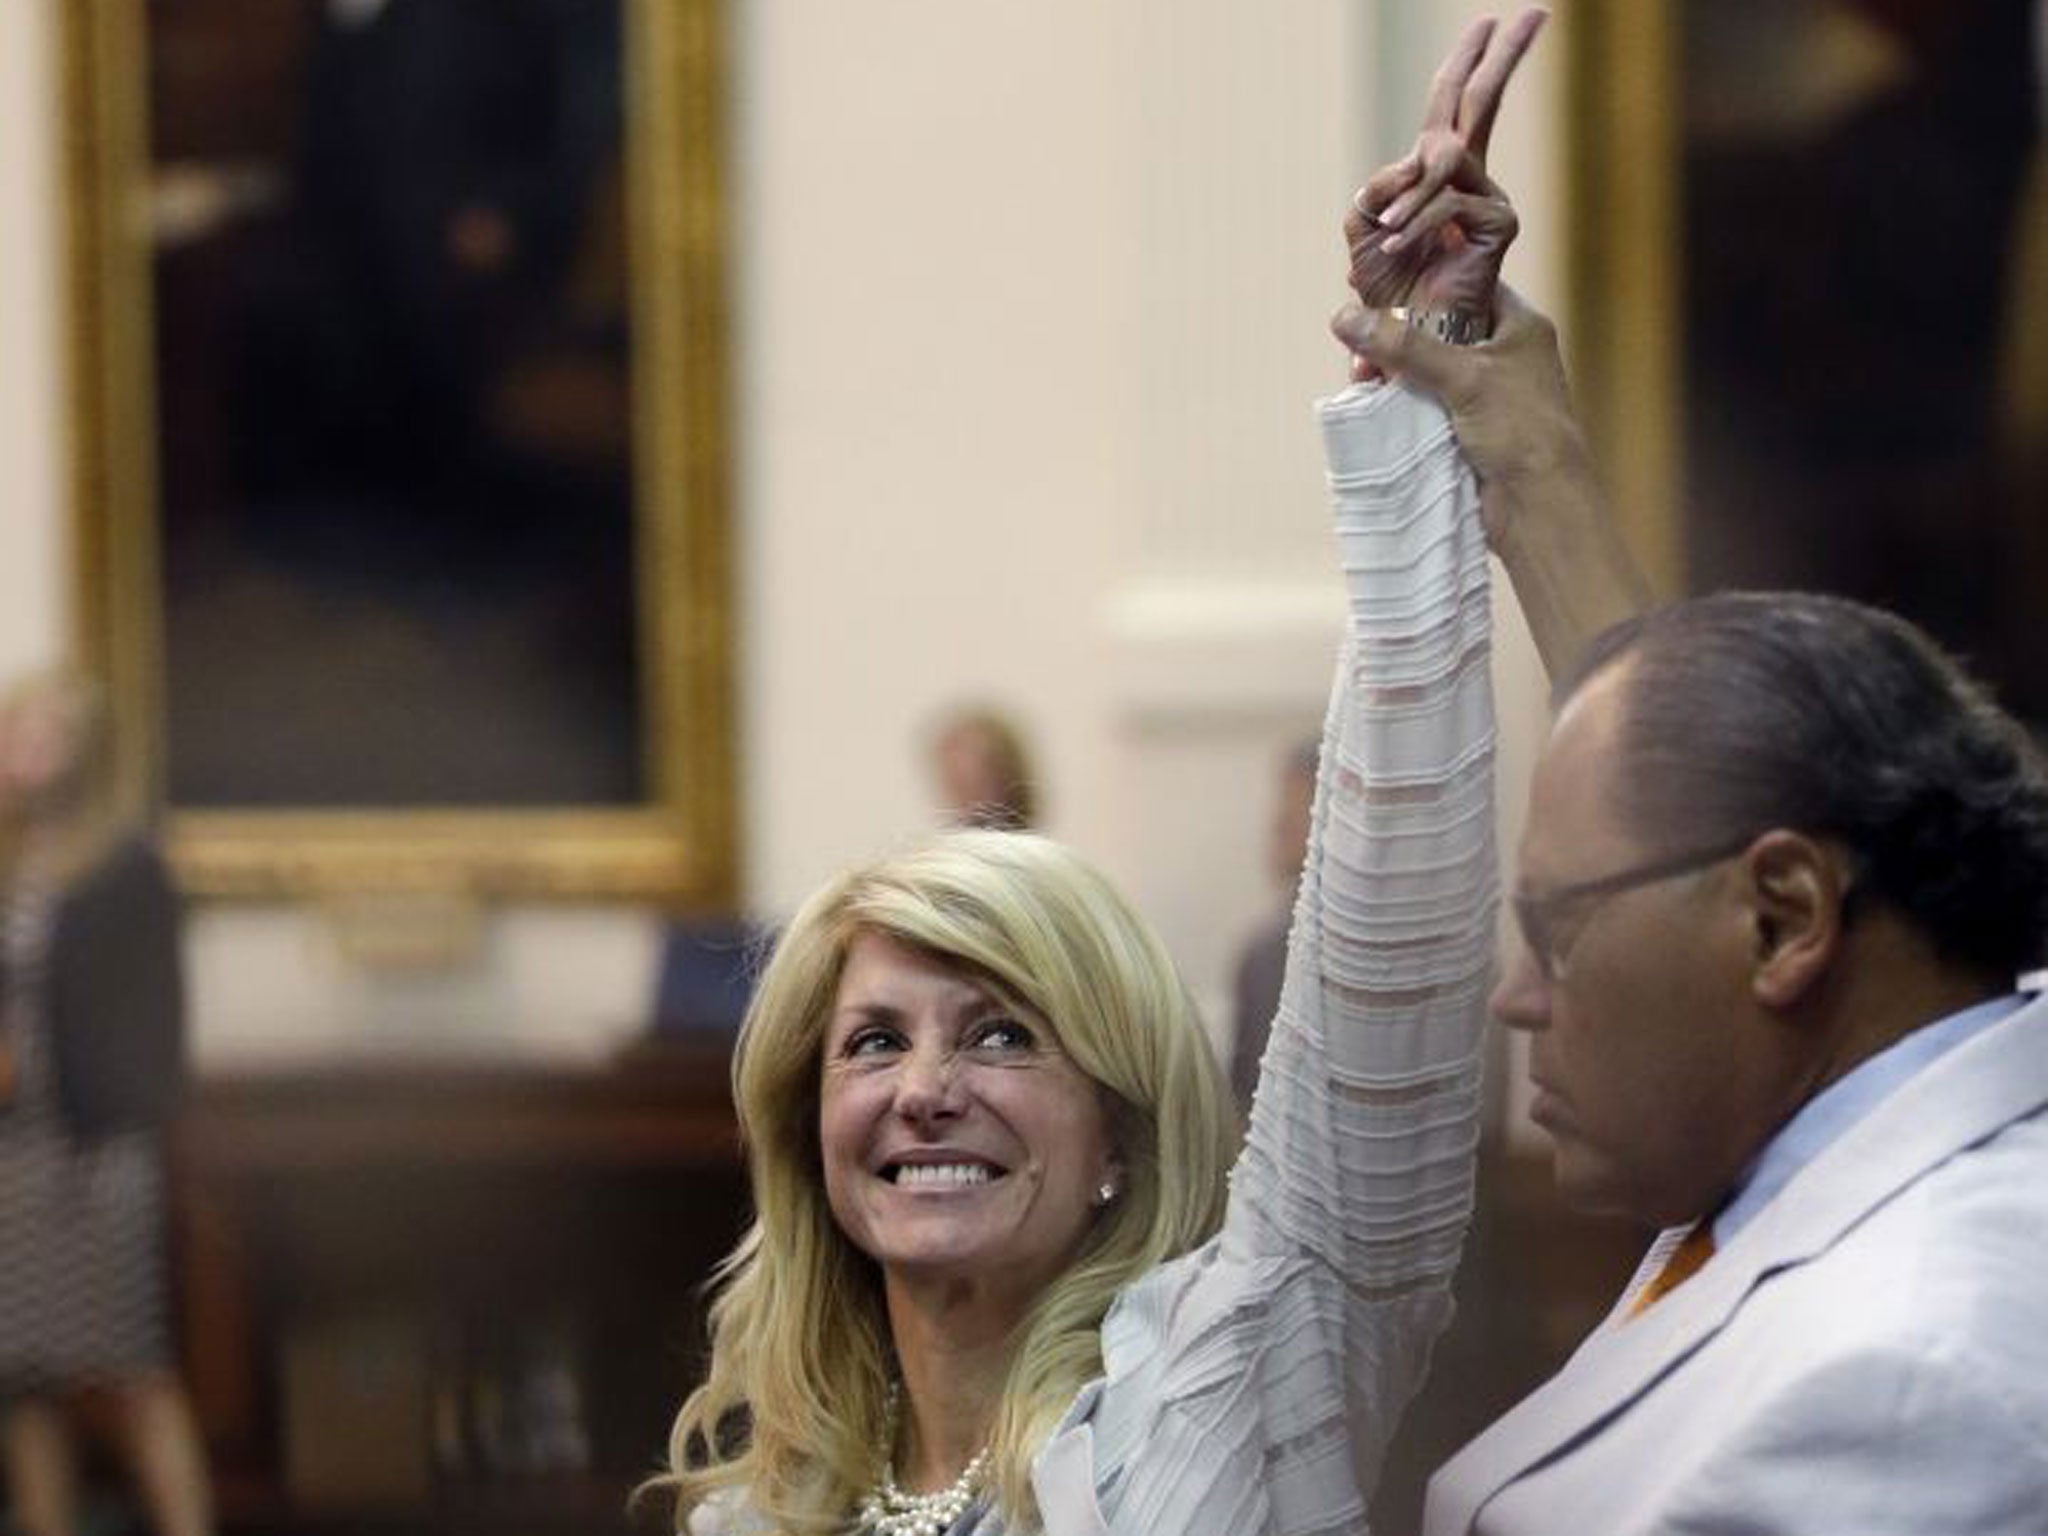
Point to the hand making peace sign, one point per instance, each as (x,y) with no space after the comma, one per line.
(1429,231)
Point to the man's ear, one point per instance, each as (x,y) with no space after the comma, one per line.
(1795,886)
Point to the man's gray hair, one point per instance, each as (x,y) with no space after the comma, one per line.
(1752,710)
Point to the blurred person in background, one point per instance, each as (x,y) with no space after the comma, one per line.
(982,769)
(91,1043)
(1255,985)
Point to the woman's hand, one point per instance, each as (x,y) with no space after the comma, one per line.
(1447,255)
(1430,230)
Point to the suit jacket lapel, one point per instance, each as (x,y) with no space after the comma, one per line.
(1960,1100)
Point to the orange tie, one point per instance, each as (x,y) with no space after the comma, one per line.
(1686,1260)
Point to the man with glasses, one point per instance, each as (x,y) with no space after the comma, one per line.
(1782,868)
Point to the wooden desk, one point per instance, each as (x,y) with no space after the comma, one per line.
(465,1211)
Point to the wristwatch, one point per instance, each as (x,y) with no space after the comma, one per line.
(1456,326)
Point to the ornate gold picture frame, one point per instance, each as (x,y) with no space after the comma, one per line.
(1621,135)
(288,731)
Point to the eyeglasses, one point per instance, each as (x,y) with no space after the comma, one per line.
(1544,916)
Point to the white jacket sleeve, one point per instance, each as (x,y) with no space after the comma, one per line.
(1253,1386)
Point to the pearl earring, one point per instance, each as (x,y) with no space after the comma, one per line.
(1105,1192)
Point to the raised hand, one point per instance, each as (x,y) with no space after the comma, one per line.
(1446,253)
(1541,503)
(1430,230)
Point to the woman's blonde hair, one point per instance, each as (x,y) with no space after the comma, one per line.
(794,1413)
(82,812)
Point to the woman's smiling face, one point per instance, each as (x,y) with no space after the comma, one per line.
(960,1143)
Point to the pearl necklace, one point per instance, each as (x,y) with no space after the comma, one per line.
(887,1510)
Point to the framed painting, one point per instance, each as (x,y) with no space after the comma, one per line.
(1810,302)
(398,362)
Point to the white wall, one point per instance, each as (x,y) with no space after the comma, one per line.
(31,559)
(1030,313)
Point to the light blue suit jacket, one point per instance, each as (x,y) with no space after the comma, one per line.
(1869,1355)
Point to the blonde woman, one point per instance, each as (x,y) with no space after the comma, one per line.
(996,1281)
(90,1032)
